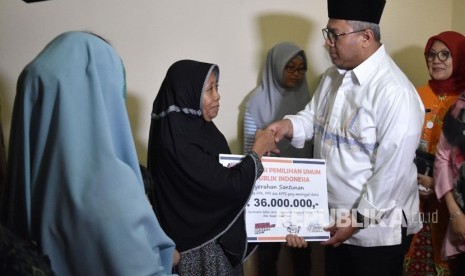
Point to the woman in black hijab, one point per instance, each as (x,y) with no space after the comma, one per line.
(198,201)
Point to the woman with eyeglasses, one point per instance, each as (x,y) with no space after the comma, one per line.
(445,59)
(283,90)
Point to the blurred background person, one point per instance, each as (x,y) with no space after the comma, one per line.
(445,60)
(73,181)
(283,90)
(449,176)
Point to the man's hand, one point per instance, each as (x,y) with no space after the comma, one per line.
(282,128)
(339,234)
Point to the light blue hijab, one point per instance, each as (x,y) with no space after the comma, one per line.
(74,182)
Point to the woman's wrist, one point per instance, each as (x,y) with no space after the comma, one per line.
(455,214)
(258,163)
(257,153)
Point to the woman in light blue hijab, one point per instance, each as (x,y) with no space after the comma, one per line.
(73,182)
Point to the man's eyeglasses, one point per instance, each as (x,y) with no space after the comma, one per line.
(442,55)
(293,70)
(332,36)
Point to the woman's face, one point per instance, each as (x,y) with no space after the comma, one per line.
(294,73)
(210,99)
(438,69)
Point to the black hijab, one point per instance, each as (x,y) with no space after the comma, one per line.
(197,199)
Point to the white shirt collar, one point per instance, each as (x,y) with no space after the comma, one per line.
(362,72)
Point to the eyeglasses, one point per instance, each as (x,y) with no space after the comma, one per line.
(442,55)
(332,36)
(293,70)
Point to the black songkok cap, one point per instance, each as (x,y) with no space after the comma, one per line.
(357,10)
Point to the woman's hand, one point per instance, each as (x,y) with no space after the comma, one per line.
(264,142)
(425,181)
(426,185)
(457,218)
(296,241)
(176,257)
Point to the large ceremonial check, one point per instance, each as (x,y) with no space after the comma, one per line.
(290,197)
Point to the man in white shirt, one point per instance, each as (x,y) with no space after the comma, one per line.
(365,119)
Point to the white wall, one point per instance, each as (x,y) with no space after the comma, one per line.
(150,35)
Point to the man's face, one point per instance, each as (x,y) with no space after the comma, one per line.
(346,51)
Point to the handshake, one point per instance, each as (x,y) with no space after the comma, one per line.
(266,140)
